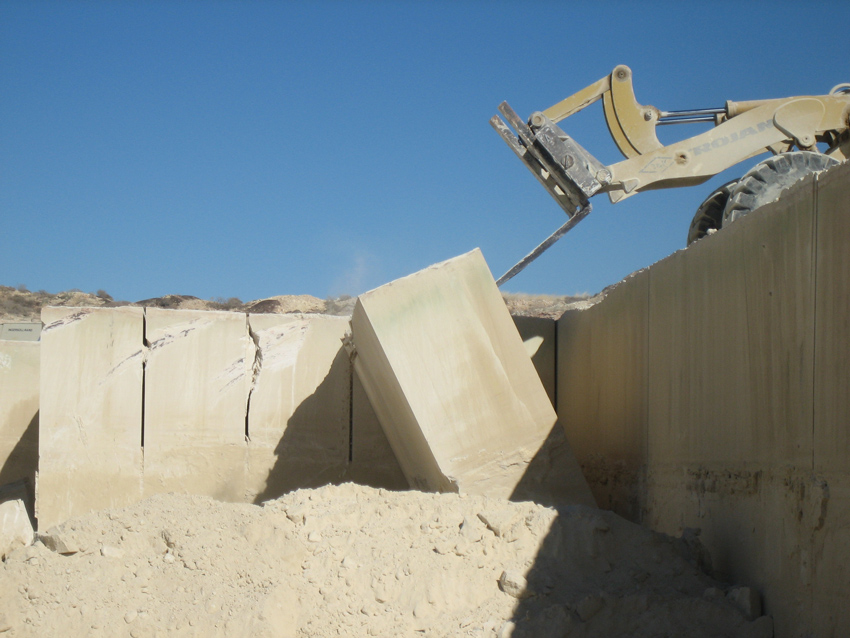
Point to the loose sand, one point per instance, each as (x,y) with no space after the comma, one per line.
(354,561)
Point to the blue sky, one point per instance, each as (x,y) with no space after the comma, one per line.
(252,149)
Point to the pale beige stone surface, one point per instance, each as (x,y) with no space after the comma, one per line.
(730,398)
(831,536)
(746,377)
(538,337)
(198,376)
(454,389)
(15,526)
(299,417)
(602,392)
(731,342)
(19,390)
(90,421)
(832,329)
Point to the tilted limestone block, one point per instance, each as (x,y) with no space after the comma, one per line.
(299,415)
(19,389)
(197,379)
(455,390)
(90,424)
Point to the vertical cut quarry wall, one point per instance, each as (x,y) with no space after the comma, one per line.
(711,391)
(137,401)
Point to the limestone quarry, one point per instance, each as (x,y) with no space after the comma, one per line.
(479,559)
(666,459)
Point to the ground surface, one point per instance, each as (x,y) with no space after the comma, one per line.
(353,561)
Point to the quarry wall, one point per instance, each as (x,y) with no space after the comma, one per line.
(241,407)
(710,391)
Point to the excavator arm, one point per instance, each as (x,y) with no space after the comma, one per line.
(741,130)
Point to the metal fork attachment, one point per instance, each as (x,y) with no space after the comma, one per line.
(569,173)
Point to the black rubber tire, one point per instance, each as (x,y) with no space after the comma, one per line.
(709,215)
(768,179)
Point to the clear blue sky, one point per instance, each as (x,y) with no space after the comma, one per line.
(253,149)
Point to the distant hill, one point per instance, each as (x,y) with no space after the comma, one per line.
(20,305)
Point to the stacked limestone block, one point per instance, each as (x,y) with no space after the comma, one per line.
(198,377)
(299,411)
(90,424)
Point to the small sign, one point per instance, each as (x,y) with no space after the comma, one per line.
(20,331)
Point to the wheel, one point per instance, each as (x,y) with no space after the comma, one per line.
(768,179)
(709,215)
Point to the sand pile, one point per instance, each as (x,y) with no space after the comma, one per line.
(354,561)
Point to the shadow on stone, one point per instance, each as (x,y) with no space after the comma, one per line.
(22,464)
(552,477)
(314,449)
(597,574)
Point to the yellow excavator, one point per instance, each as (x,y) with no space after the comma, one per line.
(804,135)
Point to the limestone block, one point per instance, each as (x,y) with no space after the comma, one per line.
(373,461)
(602,392)
(15,526)
(730,403)
(731,333)
(455,391)
(832,330)
(19,390)
(299,415)
(538,336)
(198,377)
(90,423)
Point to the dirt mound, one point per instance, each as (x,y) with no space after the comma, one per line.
(286,304)
(182,302)
(354,561)
(546,306)
(21,305)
